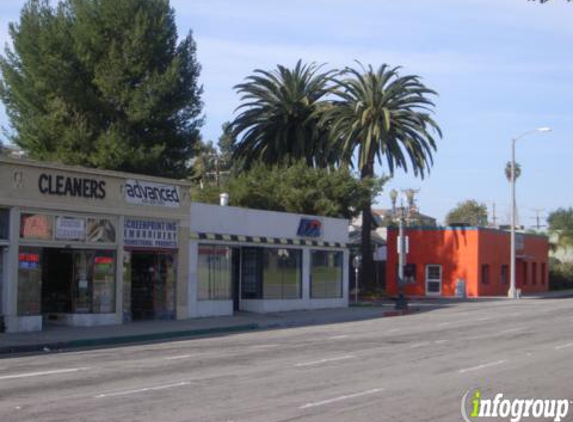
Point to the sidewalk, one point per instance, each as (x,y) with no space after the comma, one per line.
(434,300)
(57,338)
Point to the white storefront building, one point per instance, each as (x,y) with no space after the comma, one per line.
(87,247)
(264,261)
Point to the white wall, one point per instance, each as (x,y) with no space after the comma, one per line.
(206,218)
(215,219)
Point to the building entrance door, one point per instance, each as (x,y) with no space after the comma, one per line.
(2,254)
(236,277)
(152,286)
(57,277)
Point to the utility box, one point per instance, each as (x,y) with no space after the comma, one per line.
(461,288)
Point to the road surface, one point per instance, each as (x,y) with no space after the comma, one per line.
(411,368)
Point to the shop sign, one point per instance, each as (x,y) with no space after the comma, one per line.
(309,227)
(150,233)
(68,228)
(81,187)
(28,261)
(147,193)
(36,226)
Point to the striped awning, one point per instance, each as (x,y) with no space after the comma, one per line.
(265,240)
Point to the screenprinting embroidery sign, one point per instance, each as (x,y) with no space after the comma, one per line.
(150,233)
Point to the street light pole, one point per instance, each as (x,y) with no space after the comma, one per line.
(512,293)
(401,302)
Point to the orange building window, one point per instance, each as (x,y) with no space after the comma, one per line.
(485,274)
(504,278)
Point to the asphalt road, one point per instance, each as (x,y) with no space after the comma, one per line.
(414,368)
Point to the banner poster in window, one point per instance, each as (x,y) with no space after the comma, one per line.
(36,226)
(147,193)
(68,228)
(150,233)
(101,230)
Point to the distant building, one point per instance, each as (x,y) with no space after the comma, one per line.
(381,219)
(437,258)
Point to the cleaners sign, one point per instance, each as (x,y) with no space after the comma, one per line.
(148,193)
(150,233)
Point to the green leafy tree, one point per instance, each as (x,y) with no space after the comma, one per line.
(297,188)
(278,117)
(103,83)
(468,212)
(561,224)
(378,115)
(226,144)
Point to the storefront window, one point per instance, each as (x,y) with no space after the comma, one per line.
(4,223)
(70,228)
(214,272)
(82,275)
(104,283)
(29,281)
(282,273)
(101,230)
(326,274)
(36,226)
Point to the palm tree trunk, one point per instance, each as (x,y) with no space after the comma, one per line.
(367,281)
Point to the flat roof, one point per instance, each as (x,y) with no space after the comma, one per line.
(90,170)
(467,228)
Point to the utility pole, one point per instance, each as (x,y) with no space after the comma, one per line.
(537,217)
(401,302)
(493,215)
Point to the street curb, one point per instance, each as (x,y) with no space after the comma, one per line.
(112,341)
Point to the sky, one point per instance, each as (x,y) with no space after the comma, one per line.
(501,68)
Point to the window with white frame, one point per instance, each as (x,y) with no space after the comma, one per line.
(326,274)
(214,272)
(433,279)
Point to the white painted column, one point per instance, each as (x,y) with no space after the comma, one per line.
(10,293)
(192,279)
(345,274)
(306,275)
(119,271)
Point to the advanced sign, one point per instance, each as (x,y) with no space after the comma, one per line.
(148,193)
(150,233)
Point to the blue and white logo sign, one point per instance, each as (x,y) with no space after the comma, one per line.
(309,227)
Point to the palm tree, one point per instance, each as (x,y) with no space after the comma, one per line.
(380,115)
(508,171)
(279,121)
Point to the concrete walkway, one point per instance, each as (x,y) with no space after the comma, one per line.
(56,338)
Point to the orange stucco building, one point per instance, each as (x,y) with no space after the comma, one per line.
(438,257)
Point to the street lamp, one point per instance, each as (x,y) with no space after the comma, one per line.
(401,300)
(512,293)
